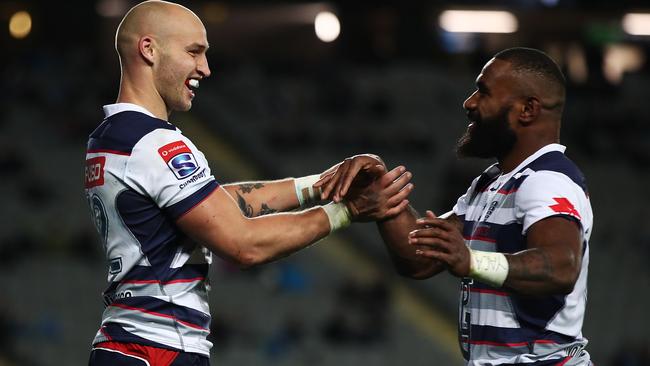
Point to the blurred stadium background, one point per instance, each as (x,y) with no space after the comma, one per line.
(290,96)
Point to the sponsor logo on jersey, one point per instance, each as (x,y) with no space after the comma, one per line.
(94,172)
(564,206)
(179,158)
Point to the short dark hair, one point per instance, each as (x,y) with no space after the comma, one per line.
(532,61)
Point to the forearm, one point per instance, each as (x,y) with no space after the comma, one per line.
(271,237)
(394,233)
(262,198)
(541,271)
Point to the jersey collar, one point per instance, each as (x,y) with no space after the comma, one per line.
(111,109)
(494,170)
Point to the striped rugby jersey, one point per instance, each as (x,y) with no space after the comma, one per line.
(141,175)
(497,327)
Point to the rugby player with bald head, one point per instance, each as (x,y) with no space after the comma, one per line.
(518,238)
(161,213)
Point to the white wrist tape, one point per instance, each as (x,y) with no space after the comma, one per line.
(338,214)
(488,267)
(305,191)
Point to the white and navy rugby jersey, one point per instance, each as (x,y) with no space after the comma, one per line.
(497,327)
(141,175)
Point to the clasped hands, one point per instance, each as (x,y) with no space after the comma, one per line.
(373,193)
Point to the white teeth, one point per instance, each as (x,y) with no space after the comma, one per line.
(194,83)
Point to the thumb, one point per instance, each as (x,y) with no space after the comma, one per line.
(375,171)
(430,214)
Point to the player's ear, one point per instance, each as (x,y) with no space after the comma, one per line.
(529,110)
(147,49)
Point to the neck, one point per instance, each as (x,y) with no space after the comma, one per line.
(521,151)
(143,93)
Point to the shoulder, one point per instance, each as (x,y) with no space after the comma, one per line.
(122,131)
(556,164)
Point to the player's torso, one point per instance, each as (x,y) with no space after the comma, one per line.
(157,277)
(494,324)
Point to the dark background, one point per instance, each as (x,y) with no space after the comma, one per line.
(282,103)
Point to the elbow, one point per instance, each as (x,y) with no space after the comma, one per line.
(566,284)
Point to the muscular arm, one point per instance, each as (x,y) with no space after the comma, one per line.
(218,224)
(551,263)
(262,198)
(395,234)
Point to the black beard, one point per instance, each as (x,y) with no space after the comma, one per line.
(489,137)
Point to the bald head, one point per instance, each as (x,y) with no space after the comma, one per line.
(160,20)
(162,48)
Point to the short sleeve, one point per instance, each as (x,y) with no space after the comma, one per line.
(547,193)
(460,208)
(166,166)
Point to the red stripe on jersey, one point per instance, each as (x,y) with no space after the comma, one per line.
(564,361)
(511,345)
(182,280)
(488,291)
(152,355)
(105,151)
(481,238)
(126,307)
(507,192)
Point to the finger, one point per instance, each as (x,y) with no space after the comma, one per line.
(436,222)
(400,196)
(433,244)
(389,177)
(324,179)
(398,184)
(421,235)
(397,209)
(346,180)
(328,189)
(430,214)
(343,176)
(434,254)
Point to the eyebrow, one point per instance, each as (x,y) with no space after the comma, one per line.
(200,46)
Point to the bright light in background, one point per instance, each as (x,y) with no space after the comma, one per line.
(478,21)
(619,59)
(327,26)
(576,63)
(637,24)
(20,24)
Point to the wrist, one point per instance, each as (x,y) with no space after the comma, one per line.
(488,267)
(305,190)
(338,215)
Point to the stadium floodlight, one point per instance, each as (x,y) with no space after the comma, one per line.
(637,24)
(20,24)
(327,26)
(478,21)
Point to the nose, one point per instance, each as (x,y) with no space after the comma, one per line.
(470,103)
(202,67)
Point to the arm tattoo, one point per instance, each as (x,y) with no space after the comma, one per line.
(245,208)
(265,210)
(535,265)
(248,187)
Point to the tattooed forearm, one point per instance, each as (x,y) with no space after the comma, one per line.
(245,208)
(265,210)
(532,265)
(249,187)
